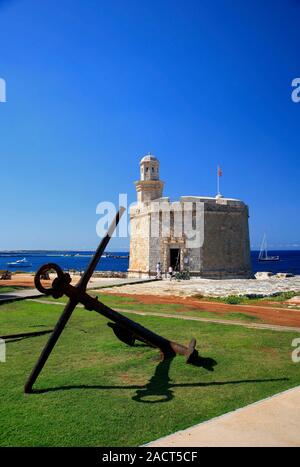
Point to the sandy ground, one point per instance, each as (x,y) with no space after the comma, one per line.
(294,301)
(20,280)
(27,280)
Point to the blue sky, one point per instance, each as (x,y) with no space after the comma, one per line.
(93,85)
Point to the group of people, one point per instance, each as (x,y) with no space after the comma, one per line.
(159,272)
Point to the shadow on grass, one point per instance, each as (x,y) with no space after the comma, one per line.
(26,335)
(159,388)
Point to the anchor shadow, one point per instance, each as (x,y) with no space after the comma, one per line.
(159,388)
(160,384)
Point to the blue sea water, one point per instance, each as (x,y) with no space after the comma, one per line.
(65,259)
(289,260)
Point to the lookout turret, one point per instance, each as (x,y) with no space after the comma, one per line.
(149,166)
(149,187)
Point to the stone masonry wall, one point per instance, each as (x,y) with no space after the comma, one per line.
(226,247)
(225,251)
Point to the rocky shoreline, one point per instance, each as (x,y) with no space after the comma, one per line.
(264,285)
(215,288)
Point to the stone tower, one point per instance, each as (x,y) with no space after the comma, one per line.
(149,187)
(161,231)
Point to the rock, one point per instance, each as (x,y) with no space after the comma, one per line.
(217,288)
(284,275)
(110,274)
(254,295)
(294,301)
(262,275)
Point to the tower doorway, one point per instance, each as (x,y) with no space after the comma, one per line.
(175,258)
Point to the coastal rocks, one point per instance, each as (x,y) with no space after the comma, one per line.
(216,288)
(294,301)
(262,275)
(284,275)
(110,274)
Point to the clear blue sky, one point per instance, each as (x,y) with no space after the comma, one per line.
(93,85)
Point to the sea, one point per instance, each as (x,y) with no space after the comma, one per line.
(118,261)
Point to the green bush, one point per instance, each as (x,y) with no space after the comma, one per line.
(233,299)
(183,275)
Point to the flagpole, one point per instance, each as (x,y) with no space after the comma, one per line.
(219,173)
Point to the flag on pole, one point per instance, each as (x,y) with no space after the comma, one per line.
(219,174)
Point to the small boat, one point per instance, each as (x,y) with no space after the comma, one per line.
(263,254)
(20,263)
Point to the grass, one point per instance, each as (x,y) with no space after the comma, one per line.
(93,390)
(283,296)
(7,289)
(132,303)
(248,300)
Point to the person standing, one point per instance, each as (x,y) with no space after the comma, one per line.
(158,271)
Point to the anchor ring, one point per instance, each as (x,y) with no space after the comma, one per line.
(42,271)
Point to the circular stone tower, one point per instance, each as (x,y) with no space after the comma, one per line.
(207,236)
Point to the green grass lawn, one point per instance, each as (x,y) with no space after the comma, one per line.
(96,391)
(132,303)
(277,298)
(175,309)
(7,289)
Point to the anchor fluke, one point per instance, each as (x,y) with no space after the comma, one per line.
(192,354)
(122,334)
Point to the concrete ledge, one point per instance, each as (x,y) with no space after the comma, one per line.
(274,421)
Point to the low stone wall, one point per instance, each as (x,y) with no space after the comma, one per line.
(110,274)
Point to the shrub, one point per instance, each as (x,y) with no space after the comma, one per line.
(233,299)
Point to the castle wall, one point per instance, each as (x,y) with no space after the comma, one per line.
(224,249)
(139,242)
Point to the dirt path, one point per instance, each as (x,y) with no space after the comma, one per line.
(190,318)
(266,314)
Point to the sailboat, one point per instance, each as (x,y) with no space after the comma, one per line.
(263,254)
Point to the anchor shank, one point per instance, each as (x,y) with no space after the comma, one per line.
(168,348)
(100,250)
(60,325)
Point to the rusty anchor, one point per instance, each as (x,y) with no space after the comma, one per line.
(125,329)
